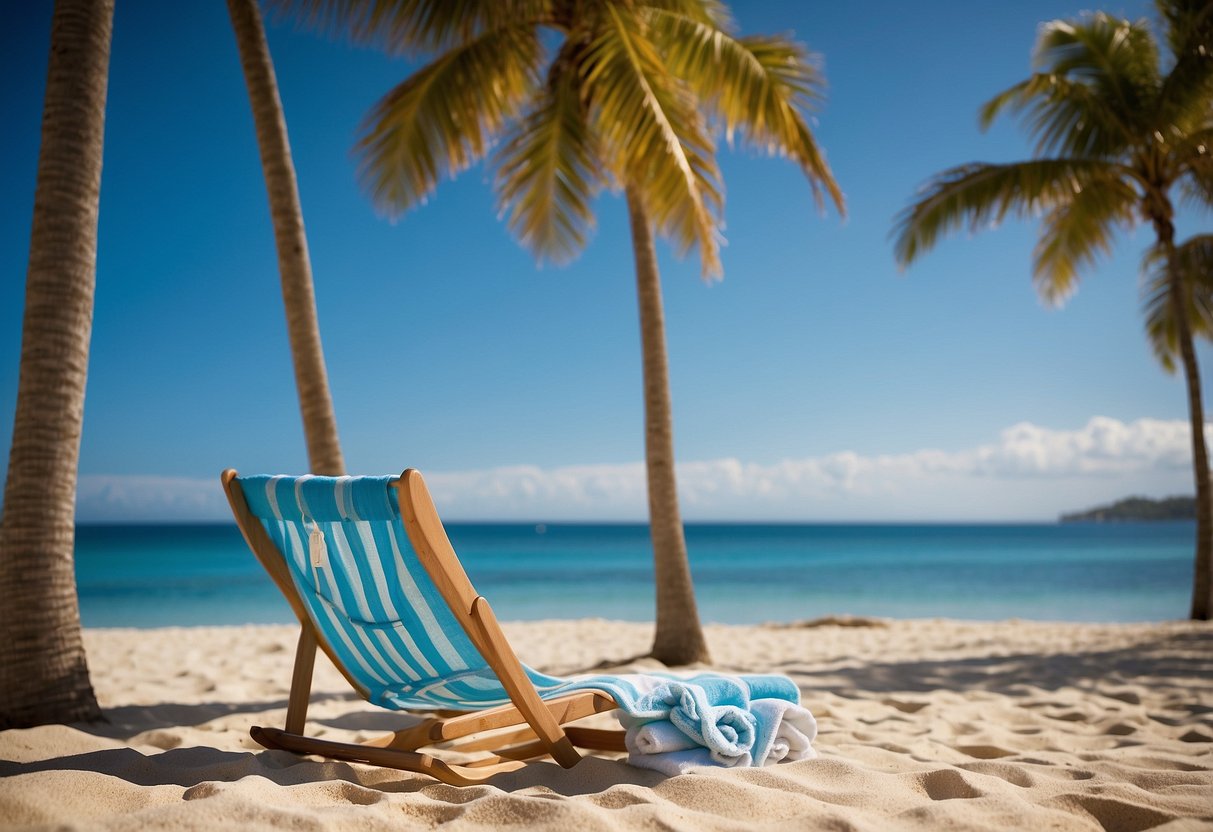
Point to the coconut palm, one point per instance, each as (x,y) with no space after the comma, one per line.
(580,95)
(1118,139)
(294,266)
(43,672)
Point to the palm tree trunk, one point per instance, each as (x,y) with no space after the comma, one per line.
(294,266)
(43,672)
(1202,579)
(679,636)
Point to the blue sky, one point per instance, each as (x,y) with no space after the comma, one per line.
(814,382)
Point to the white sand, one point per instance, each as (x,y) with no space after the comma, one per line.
(925,725)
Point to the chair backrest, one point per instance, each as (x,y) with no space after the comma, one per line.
(376,610)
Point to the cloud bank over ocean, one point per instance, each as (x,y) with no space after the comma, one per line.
(1030,473)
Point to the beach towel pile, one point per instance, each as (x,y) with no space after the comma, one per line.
(674,723)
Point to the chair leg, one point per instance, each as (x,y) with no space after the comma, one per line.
(301,680)
(416,736)
(598,739)
(567,708)
(496,740)
(456,775)
(505,664)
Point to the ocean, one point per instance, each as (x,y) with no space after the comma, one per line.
(181,575)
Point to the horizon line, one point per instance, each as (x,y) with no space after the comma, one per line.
(741,522)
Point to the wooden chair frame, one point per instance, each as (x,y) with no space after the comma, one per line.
(542,731)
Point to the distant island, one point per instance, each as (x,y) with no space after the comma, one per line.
(1137,508)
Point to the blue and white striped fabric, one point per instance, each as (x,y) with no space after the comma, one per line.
(370,598)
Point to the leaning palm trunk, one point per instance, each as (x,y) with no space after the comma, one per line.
(43,673)
(679,636)
(1202,584)
(294,267)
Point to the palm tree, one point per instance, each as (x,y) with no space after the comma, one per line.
(581,95)
(43,672)
(1117,140)
(294,266)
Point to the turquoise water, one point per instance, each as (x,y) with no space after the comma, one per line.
(154,576)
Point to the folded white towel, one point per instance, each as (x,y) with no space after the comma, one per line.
(786,732)
(657,737)
(662,742)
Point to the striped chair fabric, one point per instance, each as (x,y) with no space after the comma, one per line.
(369,597)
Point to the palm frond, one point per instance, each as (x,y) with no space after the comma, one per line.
(1117,57)
(1160,318)
(412,26)
(714,13)
(1066,116)
(1189,85)
(980,195)
(1182,21)
(1196,191)
(1076,231)
(548,171)
(1194,159)
(1094,91)
(1194,262)
(760,87)
(653,136)
(443,118)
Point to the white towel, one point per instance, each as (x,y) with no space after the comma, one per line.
(791,729)
(785,734)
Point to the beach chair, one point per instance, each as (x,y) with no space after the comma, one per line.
(370,573)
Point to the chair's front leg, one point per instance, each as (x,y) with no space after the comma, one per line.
(301,680)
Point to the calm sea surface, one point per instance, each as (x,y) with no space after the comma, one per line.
(154,576)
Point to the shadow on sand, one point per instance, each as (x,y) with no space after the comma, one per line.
(1176,656)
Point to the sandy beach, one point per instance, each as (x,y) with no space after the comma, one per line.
(924,724)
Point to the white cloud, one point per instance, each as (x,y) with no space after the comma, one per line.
(1104,446)
(141,498)
(1030,472)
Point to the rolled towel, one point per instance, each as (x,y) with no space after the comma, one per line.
(727,731)
(785,732)
(674,723)
(657,737)
(661,737)
(714,716)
